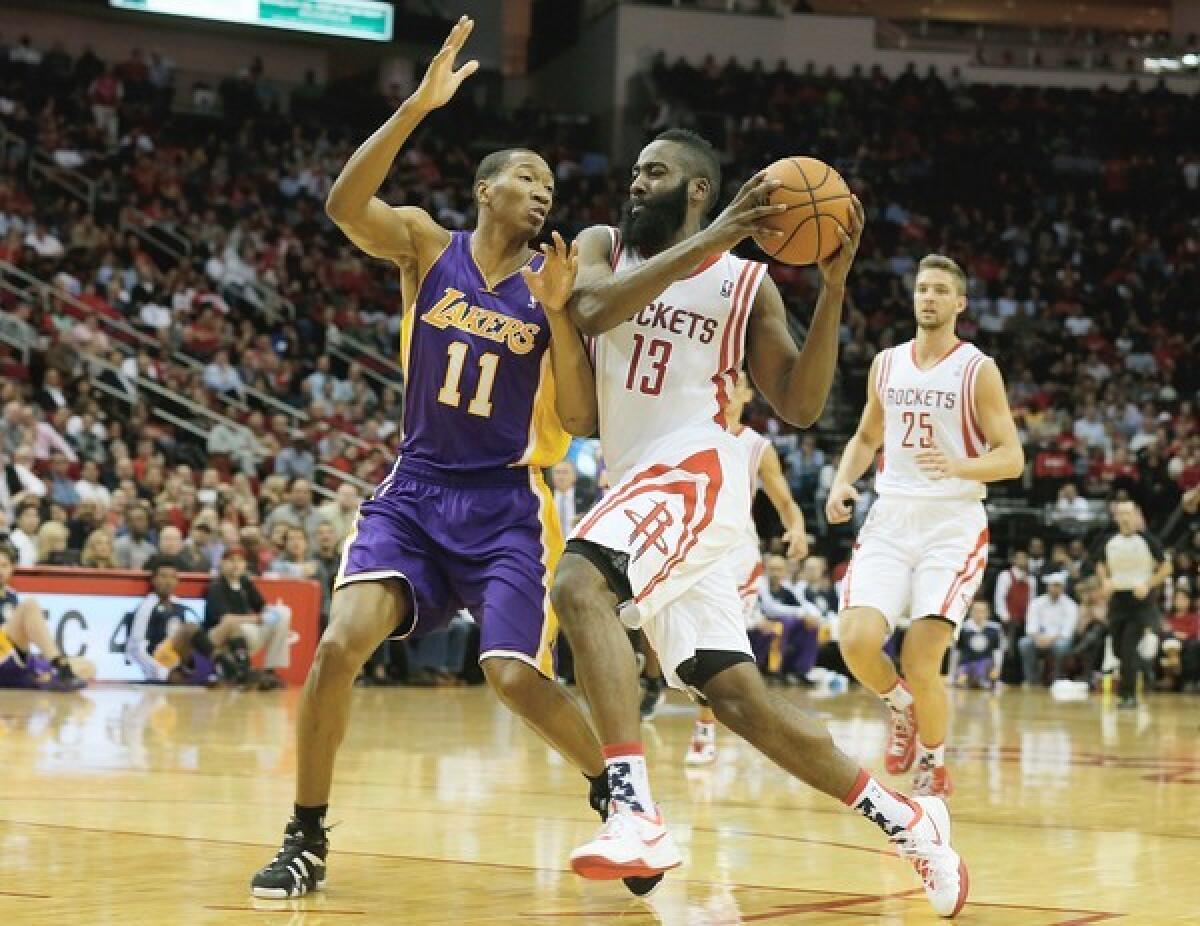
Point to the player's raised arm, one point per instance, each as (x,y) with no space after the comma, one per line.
(602,300)
(1005,458)
(859,452)
(397,234)
(574,379)
(796,382)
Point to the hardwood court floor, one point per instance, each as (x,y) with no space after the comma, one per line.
(139,805)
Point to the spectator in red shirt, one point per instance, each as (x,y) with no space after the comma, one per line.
(1179,651)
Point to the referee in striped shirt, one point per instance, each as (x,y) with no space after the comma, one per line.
(1130,565)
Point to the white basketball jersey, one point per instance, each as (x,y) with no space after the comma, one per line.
(669,371)
(924,409)
(754,445)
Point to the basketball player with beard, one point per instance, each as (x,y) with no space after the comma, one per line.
(672,313)
(936,405)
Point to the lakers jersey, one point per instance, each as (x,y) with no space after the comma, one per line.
(669,370)
(923,409)
(479,392)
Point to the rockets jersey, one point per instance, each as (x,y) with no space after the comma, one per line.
(668,372)
(479,391)
(754,445)
(924,409)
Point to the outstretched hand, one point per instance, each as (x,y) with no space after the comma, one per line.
(442,80)
(552,283)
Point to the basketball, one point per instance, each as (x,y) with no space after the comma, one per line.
(822,204)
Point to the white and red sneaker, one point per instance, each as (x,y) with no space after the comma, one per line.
(926,844)
(629,845)
(702,750)
(932,781)
(902,741)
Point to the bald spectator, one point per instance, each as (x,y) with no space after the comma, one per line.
(170,544)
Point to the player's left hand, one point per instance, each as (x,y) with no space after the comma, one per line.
(796,543)
(836,267)
(551,285)
(936,465)
(1141,591)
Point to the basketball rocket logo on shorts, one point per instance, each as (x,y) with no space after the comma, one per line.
(650,527)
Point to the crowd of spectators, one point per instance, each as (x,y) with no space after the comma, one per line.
(1081,248)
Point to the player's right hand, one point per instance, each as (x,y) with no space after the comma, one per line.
(743,217)
(441,80)
(840,504)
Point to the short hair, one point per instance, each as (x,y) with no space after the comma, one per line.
(497,161)
(700,159)
(941,262)
(160,561)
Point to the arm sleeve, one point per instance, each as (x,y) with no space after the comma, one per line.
(137,648)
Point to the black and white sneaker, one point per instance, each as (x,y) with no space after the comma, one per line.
(297,869)
(599,798)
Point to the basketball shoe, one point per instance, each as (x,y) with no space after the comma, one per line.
(298,867)
(902,741)
(629,845)
(925,842)
(932,780)
(601,801)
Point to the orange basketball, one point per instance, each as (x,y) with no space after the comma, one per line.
(822,204)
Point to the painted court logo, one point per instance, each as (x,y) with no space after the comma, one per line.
(650,528)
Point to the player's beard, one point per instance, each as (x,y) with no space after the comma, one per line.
(657,222)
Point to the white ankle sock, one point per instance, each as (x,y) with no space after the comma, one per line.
(890,811)
(628,779)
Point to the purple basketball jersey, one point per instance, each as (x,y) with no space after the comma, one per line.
(479,393)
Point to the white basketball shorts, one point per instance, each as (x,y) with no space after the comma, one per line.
(918,557)
(677,515)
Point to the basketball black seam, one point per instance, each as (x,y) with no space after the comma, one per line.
(816,212)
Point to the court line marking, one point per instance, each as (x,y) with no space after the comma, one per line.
(851,898)
(959,819)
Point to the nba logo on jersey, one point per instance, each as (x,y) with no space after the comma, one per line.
(727,289)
